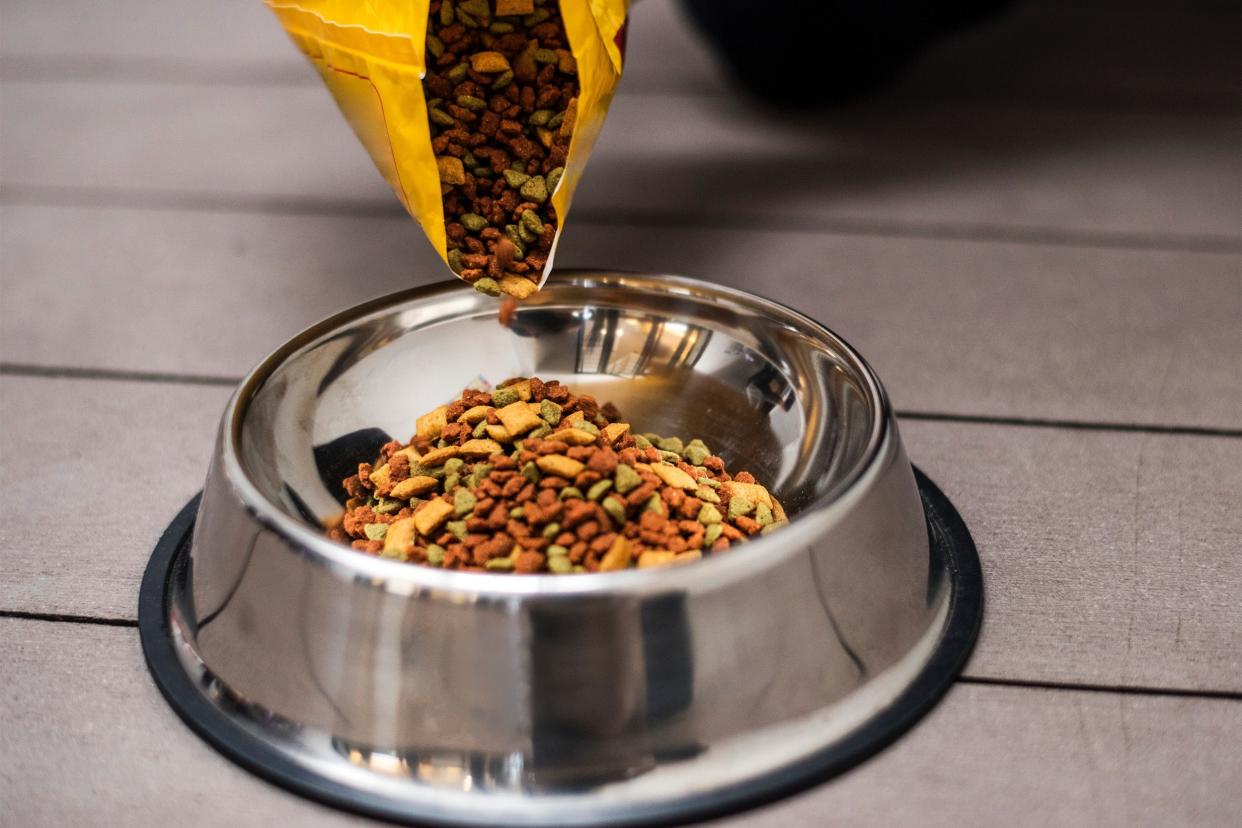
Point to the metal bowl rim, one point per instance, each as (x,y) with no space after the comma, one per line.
(402,577)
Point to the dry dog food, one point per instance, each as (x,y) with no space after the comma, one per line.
(532,478)
(502,91)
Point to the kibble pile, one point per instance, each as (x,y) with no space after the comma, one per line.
(532,478)
(502,89)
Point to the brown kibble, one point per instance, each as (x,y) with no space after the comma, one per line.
(571,116)
(511,7)
(489,62)
(618,555)
(452,172)
(519,287)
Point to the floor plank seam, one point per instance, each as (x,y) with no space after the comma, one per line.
(66,618)
(1070,425)
(18,369)
(138,199)
(1116,689)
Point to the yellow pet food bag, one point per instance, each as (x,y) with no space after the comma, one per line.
(374,55)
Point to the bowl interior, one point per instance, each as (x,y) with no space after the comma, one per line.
(770,391)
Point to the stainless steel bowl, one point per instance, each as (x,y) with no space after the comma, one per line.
(600,698)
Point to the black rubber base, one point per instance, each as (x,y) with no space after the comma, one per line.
(946,531)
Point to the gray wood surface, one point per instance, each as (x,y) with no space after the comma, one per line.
(1103,552)
(1075,174)
(999,329)
(103,748)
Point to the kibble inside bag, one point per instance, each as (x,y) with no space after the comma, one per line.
(480,114)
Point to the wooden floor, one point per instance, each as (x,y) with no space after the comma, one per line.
(1036,239)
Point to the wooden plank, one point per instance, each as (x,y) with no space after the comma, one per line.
(1108,556)
(915,168)
(1009,330)
(1090,54)
(92,473)
(90,741)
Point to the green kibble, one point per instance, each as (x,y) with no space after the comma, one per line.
(556,120)
(478,8)
(500,27)
(525,236)
(695,452)
(435,554)
(673,444)
(641,442)
(501,564)
(599,489)
(463,502)
(655,504)
(763,514)
(550,412)
(705,493)
(554,177)
(515,180)
(539,117)
(473,222)
(557,551)
(469,160)
(393,554)
(467,19)
(571,493)
(531,472)
(451,481)
(772,527)
(536,17)
(435,45)
(560,565)
(441,118)
(446,13)
(541,431)
(712,534)
(518,166)
(480,430)
(478,474)
(545,56)
(626,478)
(517,513)
(376,531)
(551,530)
(709,514)
(504,396)
(482,173)
(707,481)
(739,506)
(457,528)
(652,437)
(455,262)
(458,73)
(530,220)
(387,507)
(488,285)
(454,465)
(670,456)
(615,509)
(442,443)
(588,427)
(535,189)
(471,102)
(502,80)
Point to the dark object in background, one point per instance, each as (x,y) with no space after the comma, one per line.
(814,53)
